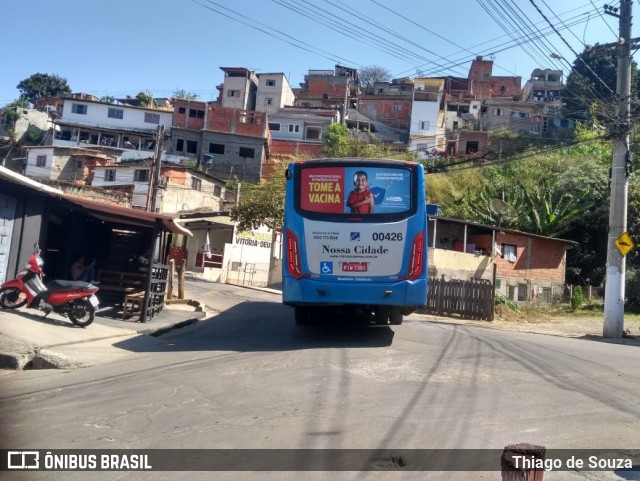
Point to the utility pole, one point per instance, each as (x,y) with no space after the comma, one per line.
(154,174)
(615,280)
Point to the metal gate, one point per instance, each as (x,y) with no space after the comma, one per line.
(7,214)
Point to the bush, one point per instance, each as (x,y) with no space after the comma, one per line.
(577,298)
(500,299)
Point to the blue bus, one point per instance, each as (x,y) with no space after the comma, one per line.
(354,239)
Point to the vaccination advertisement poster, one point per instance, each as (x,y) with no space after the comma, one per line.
(355,190)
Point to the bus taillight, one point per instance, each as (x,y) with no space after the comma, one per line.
(417,255)
(293,255)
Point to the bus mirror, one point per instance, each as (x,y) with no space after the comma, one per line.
(287,173)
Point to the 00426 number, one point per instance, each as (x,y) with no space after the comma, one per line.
(387,236)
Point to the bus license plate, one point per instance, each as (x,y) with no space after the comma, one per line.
(94,301)
(354,267)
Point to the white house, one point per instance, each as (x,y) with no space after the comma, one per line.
(274,92)
(426,130)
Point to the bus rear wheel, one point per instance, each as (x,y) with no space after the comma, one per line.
(395,317)
(381,315)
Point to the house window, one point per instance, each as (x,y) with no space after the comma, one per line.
(233,93)
(486,74)
(294,128)
(498,112)
(522,292)
(472,147)
(181,110)
(110,175)
(305,104)
(271,83)
(180,145)
(455,125)
(150,118)
(192,147)
(371,107)
(268,101)
(509,252)
(79,164)
(247,153)
(397,107)
(545,294)
(423,125)
(511,294)
(196,184)
(196,114)
(41,161)
(79,109)
(217,191)
(141,175)
(313,133)
(274,126)
(115,113)
(216,148)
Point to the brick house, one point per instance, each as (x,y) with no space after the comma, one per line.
(529,268)
(232,142)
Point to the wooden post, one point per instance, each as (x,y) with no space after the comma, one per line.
(172,268)
(183,267)
(493,291)
(513,469)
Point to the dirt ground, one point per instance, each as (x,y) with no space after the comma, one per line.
(585,325)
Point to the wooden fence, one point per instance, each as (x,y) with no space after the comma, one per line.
(469,299)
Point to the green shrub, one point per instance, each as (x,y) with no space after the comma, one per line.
(500,299)
(577,298)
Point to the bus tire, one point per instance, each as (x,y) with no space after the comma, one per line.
(395,317)
(381,315)
(302,315)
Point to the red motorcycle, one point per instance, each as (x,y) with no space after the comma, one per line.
(76,299)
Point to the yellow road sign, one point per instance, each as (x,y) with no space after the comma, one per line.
(624,244)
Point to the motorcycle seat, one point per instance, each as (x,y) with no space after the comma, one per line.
(64,285)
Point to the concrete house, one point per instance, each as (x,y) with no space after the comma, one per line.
(297,131)
(181,189)
(528,268)
(427,116)
(274,92)
(227,142)
(85,129)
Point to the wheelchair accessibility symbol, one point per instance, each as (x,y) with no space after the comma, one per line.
(326,267)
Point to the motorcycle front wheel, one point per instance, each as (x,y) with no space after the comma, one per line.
(81,313)
(12,298)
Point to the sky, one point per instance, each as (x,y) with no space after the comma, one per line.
(120,48)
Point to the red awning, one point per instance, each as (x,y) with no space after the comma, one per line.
(125,215)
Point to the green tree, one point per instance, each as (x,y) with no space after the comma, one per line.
(145,99)
(261,204)
(339,141)
(183,94)
(108,99)
(589,92)
(42,85)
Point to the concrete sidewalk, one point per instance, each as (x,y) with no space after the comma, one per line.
(28,340)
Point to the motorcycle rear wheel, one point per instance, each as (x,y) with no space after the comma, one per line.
(82,313)
(12,298)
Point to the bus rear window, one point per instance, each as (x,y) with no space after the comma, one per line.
(351,189)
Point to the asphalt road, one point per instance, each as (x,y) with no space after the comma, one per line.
(249,378)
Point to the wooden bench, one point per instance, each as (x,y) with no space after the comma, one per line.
(132,305)
(121,281)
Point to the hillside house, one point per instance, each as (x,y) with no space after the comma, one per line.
(528,268)
(181,188)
